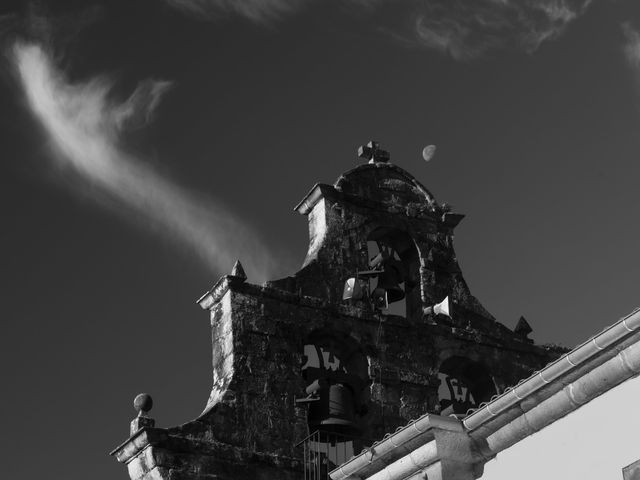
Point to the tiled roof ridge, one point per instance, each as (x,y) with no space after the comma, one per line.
(594,346)
(595,366)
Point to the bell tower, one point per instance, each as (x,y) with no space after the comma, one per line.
(377,328)
(379,223)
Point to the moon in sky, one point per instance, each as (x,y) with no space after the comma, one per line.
(428,152)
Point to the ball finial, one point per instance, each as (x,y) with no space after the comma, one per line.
(143,403)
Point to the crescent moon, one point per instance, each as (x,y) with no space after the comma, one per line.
(428,152)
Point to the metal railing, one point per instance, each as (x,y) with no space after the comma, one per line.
(324,451)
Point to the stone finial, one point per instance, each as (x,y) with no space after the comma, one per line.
(523,328)
(238,271)
(372,152)
(143,404)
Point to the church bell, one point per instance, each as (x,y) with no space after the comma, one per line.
(389,281)
(335,411)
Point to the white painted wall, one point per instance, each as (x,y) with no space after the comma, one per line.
(592,443)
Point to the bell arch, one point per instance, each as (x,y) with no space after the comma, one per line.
(464,384)
(399,258)
(335,375)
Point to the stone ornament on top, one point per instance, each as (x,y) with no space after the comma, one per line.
(372,152)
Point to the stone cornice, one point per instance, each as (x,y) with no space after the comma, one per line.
(309,201)
(477,337)
(138,442)
(446,221)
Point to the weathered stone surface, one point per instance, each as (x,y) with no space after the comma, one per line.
(264,338)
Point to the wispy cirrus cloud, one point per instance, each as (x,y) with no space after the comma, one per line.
(259,11)
(85,126)
(468,30)
(632,45)
(631,50)
(463,29)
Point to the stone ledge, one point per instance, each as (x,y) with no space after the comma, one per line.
(138,442)
(154,453)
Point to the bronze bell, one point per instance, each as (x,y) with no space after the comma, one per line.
(389,281)
(334,412)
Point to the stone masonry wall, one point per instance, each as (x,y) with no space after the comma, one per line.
(263,338)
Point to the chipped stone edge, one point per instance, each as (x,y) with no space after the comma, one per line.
(136,443)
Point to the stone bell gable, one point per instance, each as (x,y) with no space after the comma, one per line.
(380,202)
(308,370)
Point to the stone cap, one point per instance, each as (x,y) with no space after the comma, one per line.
(309,201)
(138,442)
(382,187)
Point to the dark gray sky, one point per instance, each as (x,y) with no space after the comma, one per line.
(534,111)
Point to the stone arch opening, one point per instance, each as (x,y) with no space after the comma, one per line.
(336,379)
(335,374)
(402,267)
(464,384)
